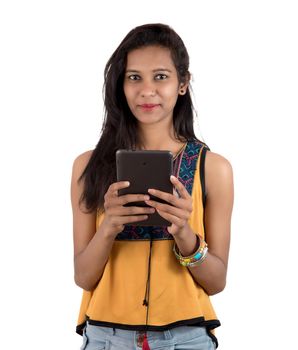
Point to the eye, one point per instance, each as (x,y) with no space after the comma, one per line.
(161,77)
(134,77)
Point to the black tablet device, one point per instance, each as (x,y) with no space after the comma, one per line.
(144,170)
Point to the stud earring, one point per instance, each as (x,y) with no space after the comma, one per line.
(182,91)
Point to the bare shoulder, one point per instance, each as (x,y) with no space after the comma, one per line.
(218,171)
(77,186)
(78,167)
(82,159)
(80,163)
(215,163)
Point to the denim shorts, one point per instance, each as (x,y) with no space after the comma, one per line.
(179,338)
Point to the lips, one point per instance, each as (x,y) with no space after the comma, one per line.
(149,106)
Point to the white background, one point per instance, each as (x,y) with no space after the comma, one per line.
(244,62)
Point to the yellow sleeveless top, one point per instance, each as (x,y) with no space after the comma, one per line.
(175,299)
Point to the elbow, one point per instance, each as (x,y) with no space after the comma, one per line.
(84,283)
(216,288)
(84,278)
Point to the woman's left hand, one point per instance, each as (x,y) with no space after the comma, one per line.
(178,211)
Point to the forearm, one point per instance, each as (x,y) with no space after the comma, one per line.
(90,263)
(211,273)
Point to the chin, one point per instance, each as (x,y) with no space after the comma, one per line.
(148,120)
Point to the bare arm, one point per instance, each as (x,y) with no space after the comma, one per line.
(211,274)
(92,247)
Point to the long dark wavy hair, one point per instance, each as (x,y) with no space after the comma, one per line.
(119,130)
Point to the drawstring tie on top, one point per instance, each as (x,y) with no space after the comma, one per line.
(145,345)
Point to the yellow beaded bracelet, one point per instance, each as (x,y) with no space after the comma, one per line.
(196,258)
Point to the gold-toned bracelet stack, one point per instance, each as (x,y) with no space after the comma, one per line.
(195,259)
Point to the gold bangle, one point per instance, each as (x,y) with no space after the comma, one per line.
(198,262)
(196,257)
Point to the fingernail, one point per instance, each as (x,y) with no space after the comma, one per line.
(146,198)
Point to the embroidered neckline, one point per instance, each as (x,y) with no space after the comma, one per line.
(180,151)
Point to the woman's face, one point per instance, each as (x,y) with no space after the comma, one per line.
(151,85)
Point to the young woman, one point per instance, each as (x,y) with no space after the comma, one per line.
(148,287)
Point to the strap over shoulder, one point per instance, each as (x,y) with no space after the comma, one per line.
(204,149)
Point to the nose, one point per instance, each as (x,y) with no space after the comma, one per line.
(148,89)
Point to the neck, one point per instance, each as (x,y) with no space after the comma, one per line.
(155,137)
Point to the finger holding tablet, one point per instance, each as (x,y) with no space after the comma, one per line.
(117,214)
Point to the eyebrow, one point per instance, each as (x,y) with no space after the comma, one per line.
(154,70)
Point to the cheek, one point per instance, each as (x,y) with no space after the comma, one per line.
(127,93)
(125,90)
(171,93)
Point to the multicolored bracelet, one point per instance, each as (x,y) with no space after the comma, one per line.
(195,259)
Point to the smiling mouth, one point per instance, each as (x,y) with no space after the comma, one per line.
(149,106)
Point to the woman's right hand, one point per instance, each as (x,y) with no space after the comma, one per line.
(116,215)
